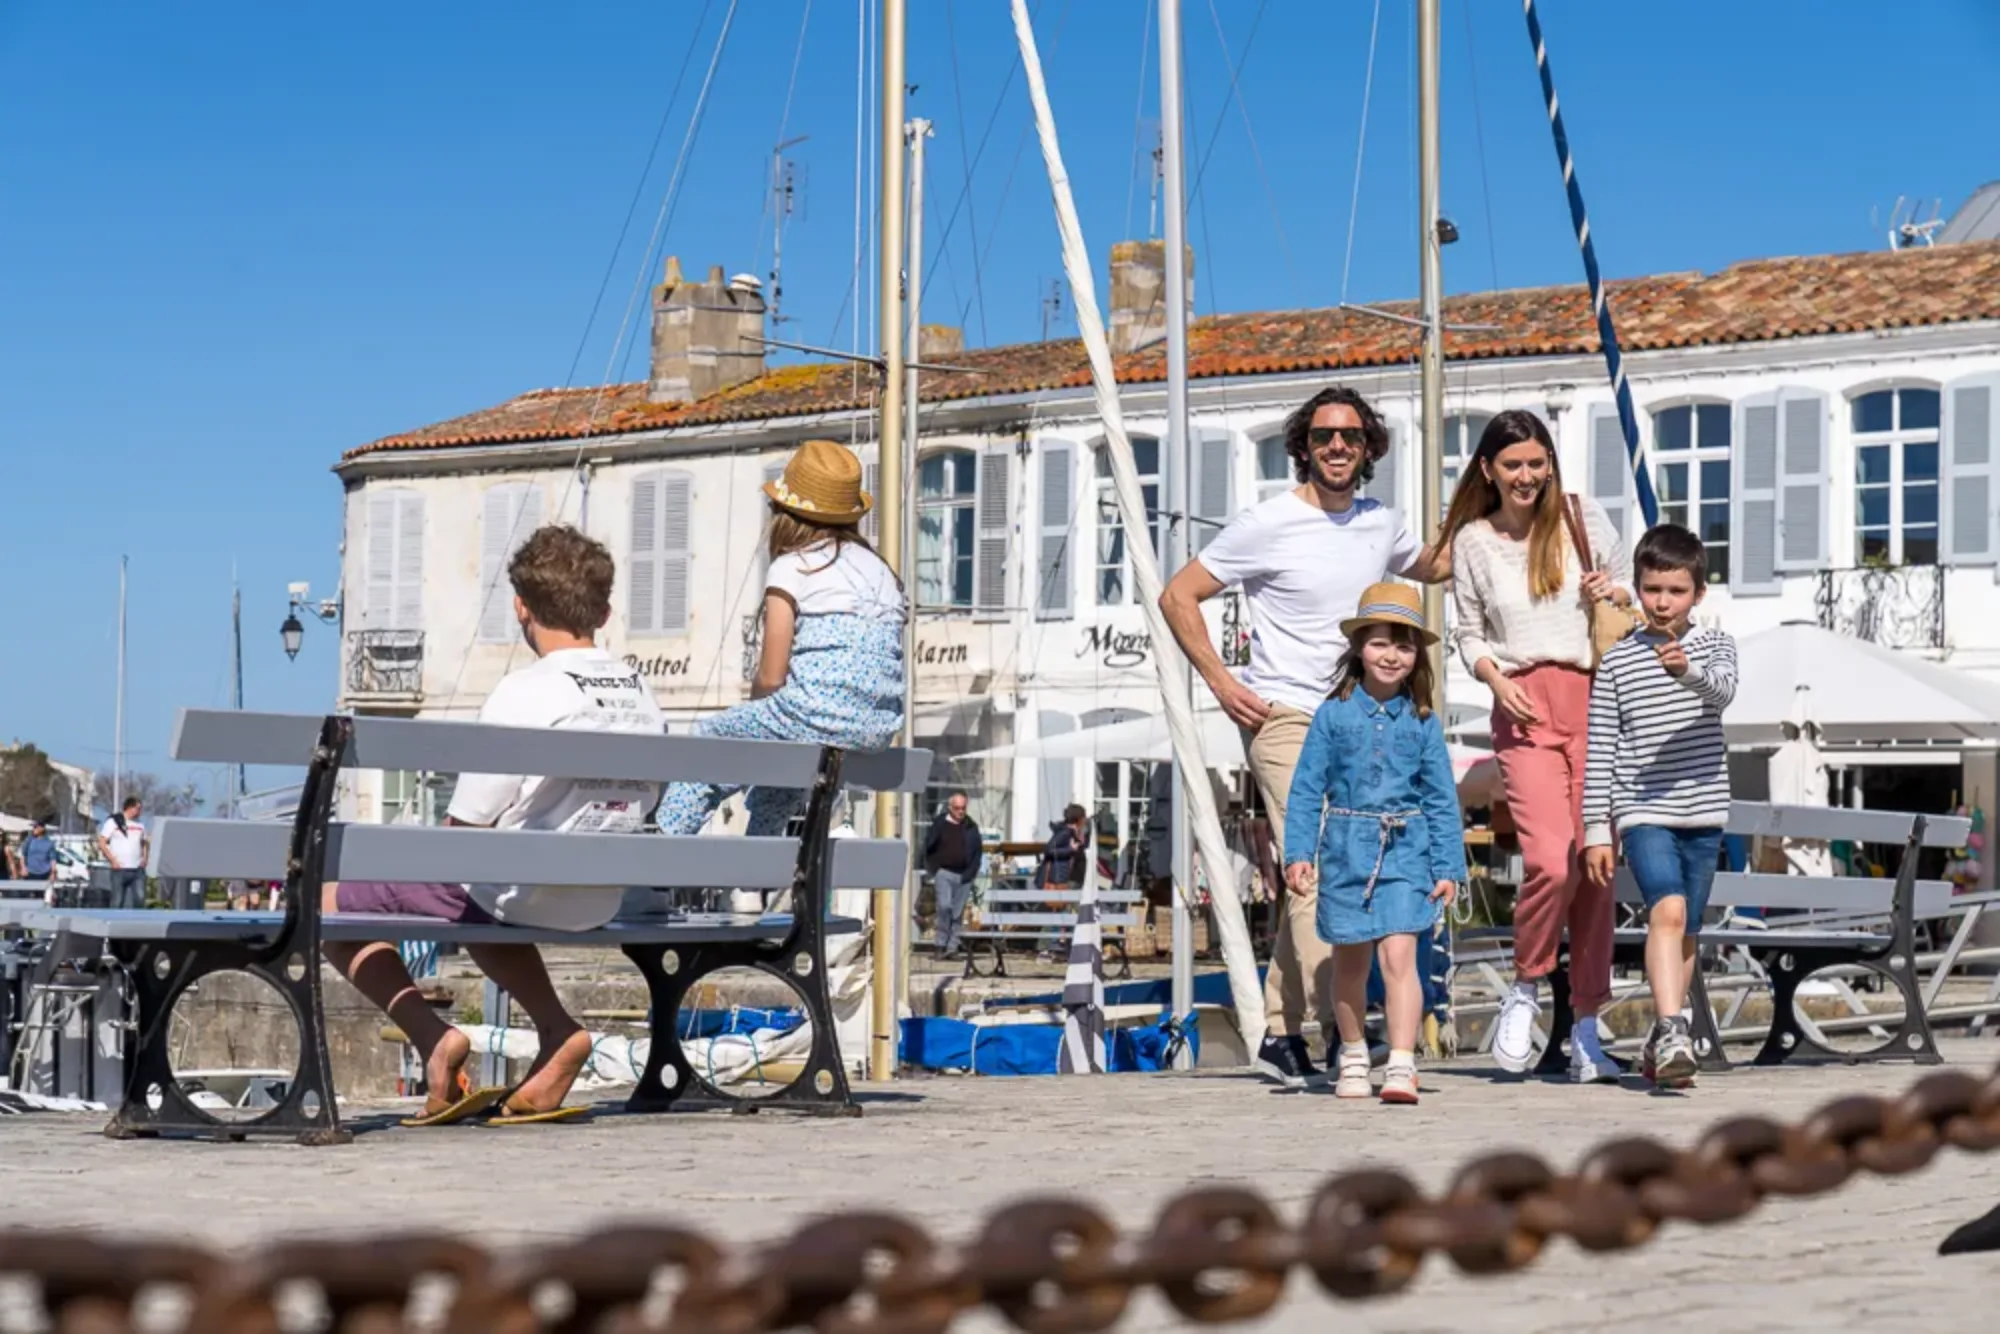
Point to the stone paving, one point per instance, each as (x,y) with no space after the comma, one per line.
(947,1151)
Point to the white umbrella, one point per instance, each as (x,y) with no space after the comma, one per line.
(1857,691)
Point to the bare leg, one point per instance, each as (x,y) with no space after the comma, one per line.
(565,1046)
(1402,990)
(377,972)
(1666,955)
(1350,990)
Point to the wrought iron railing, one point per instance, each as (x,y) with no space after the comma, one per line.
(1896,606)
(385,663)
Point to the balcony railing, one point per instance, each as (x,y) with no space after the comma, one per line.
(1896,606)
(385,664)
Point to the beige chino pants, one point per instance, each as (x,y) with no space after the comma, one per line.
(1301,973)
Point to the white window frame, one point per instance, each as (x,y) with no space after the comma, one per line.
(953,505)
(1898,439)
(1460,442)
(1287,477)
(1108,521)
(1700,451)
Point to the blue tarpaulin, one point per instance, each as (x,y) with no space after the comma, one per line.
(1026,1049)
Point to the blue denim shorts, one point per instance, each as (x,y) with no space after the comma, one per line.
(1674,862)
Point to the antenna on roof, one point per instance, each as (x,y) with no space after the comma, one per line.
(1159,176)
(1055,307)
(787,197)
(1905,230)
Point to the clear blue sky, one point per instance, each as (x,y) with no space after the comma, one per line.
(238,238)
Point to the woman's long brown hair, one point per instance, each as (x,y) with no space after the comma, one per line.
(1419,685)
(1477,498)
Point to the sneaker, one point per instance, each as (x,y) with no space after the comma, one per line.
(1514,1031)
(1399,1085)
(1282,1060)
(1353,1080)
(1649,1054)
(1674,1063)
(1589,1063)
(1302,1056)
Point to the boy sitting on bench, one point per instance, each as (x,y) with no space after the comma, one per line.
(562,597)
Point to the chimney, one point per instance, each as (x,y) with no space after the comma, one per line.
(704,335)
(1139,294)
(935,342)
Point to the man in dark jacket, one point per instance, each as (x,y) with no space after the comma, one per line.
(952,854)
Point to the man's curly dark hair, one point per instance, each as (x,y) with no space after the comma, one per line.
(1300,423)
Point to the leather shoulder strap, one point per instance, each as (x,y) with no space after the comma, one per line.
(1578,534)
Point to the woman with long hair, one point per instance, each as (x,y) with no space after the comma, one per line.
(1524,600)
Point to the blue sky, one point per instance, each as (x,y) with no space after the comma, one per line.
(238,238)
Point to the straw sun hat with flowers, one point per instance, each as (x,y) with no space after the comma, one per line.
(822,484)
(1389,604)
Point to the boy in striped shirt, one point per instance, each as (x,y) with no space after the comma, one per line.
(1657,780)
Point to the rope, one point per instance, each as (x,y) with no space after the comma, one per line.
(1607,334)
(1139,115)
(1360,150)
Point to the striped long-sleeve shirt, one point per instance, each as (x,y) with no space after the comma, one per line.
(1656,749)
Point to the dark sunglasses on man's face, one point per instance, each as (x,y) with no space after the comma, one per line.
(1321,436)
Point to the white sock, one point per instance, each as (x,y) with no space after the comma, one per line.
(1398,1059)
(1528,990)
(1354,1053)
(1687,1014)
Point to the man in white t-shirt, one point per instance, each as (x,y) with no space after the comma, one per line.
(1303,559)
(123,842)
(562,596)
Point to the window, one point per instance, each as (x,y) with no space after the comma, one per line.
(1274,466)
(1691,471)
(1896,477)
(1121,806)
(395,568)
(511,514)
(1461,438)
(947,500)
(660,568)
(1114,574)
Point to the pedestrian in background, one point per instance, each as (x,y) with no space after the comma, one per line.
(123,842)
(953,854)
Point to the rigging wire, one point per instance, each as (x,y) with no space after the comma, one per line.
(1139,114)
(1250,132)
(1479,135)
(784,123)
(1360,151)
(972,218)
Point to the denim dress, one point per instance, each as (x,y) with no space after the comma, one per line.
(1373,804)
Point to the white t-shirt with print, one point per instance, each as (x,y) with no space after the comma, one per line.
(128,849)
(589,690)
(821,583)
(1303,571)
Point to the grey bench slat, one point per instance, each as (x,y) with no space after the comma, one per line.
(1073,896)
(1744,889)
(191,849)
(230,737)
(1752,818)
(1776,938)
(1052,919)
(146,924)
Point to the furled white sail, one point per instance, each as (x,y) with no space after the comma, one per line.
(1244,989)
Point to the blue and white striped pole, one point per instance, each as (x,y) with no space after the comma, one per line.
(1628,419)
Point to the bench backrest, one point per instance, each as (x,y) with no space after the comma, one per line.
(1838,823)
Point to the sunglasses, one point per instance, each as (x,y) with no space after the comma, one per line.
(1352,436)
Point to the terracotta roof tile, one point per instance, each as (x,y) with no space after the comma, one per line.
(1755,301)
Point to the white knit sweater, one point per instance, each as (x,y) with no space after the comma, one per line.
(1498,618)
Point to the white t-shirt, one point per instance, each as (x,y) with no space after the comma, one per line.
(128,849)
(589,690)
(820,583)
(1303,571)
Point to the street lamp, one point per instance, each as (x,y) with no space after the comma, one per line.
(293,631)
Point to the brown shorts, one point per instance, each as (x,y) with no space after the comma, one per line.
(450,902)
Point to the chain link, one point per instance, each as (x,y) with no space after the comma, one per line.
(1050,1266)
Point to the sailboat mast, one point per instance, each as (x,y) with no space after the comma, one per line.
(241,787)
(118,724)
(1430,473)
(1174,189)
(892,482)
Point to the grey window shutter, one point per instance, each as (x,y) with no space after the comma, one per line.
(676,558)
(1803,481)
(871,482)
(1753,520)
(1610,470)
(379,570)
(510,515)
(1214,499)
(409,603)
(1383,487)
(642,562)
(1971,532)
(992,506)
(1052,563)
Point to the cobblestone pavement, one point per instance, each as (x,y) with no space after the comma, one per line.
(949,1150)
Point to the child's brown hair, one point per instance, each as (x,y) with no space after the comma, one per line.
(1419,685)
(564,578)
(791,533)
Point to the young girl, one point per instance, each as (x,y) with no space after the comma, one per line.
(832,667)
(1373,820)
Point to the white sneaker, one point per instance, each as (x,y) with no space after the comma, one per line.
(1399,1084)
(1353,1080)
(1588,1063)
(1514,1032)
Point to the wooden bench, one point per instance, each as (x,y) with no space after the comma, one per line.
(1000,928)
(1847,922)
(167,952)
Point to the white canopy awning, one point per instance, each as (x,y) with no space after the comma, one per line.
(1857,692)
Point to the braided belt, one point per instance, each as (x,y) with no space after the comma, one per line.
(1388,823)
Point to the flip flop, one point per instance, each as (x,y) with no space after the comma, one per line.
(508,1118)
(474,1102)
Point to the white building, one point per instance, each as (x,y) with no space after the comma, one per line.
(1828,423)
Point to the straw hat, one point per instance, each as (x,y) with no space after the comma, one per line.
(1389,604)
(822,484)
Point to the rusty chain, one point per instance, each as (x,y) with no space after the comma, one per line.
(1050,1266)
